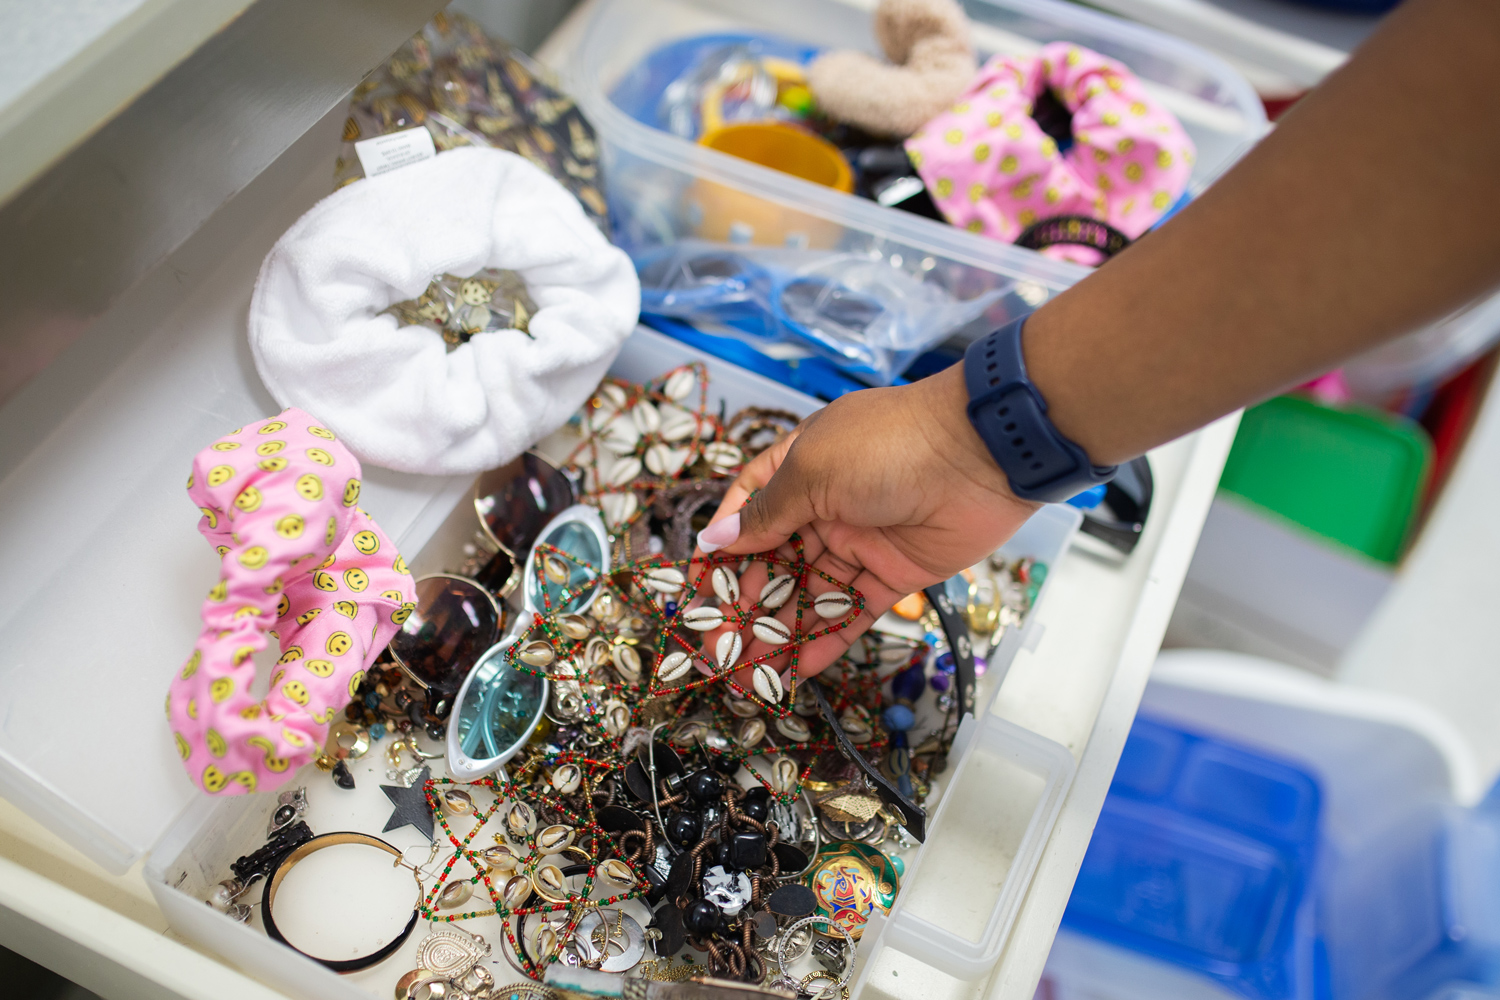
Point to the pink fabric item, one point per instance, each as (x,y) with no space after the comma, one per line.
(991,169)
(301,562)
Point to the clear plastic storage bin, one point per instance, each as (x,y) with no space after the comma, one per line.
(187,839)
(660,186)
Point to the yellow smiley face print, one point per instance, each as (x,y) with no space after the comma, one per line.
(216,744)
(308,616)
(392,595)
(249,499)
(319,668)
(293,738)
(329,561)
(210,517)
(367,542)
(351,493)
(245,779)
(402,613)
(275,426)
(275,587)
(248,611)
(222,550)
(191,666)
(295,691)
(254,557)
(272,464)
(220,474)
(322,432)
(219,591)
(320,456)
(329,534)
(338,644)
(221,689)
(346,608)
(325,717)
(400,566)
(251,712)
(242,654)
(290,526)
(268,448)
(213,779)
(192,708)
(325,581)
(225,445)
(283,606)
(356,579)
(268,749)
(292,653)
(310,487)
(182,746)
(355,682)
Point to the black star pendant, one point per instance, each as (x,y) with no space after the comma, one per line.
(411,805)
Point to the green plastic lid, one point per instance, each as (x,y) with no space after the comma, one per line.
(1351,474)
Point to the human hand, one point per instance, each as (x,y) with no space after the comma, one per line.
(891,491)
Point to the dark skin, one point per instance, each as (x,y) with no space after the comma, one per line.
(1371,210)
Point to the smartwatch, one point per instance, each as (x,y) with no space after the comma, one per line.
(1010,416)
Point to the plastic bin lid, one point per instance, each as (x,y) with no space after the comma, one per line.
(1354,475)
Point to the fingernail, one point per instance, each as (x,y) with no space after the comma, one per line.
(719,534)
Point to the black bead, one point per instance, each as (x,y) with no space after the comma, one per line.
(721,854)
(724,765)
(341,775)
(793,900)
(684,827)
(416,714)
(756,809)
(657,882)
(704,787)
(757,793)
(403,699)
(747,850)
(702,917)
(437,732)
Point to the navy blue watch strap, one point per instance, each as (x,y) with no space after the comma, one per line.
(1011,418)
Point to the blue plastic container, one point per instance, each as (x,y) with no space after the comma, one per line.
(1202,857)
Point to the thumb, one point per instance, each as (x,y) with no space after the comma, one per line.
(769,517)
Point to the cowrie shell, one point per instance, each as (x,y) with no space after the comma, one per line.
(520,821)
(673,666)
(726,585)
(623,471)
(751,732)
(664,460)
(767,683)
(856,728)
(616,871)
(784,774)
(620,435)
(501,858)
(618,507)
(833,604)
(457,802)
(574,626)
(455,894)
(743,707)
(703,619)
(690,732)
(537,653)
(772,631)
(597,652)
(681,383)
(543,941)
(606,403)
(665,580)
(627,661)
(777,592)
(646,419)
(517,891)
(549,883)
(567,778)
(616,717)
(727,650)
(555,569)
(794,729)
(555,838)
(723,457)
(677,424)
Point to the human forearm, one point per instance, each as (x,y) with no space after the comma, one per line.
(1369,211)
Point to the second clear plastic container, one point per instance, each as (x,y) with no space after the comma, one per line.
(660,186)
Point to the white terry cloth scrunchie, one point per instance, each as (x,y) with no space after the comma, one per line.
(395,395)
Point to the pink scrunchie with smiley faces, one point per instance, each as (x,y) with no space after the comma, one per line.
(301,561)
(991,169)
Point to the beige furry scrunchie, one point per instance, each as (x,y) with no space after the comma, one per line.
(931,63)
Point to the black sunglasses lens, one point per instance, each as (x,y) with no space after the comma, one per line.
(453,625)
(517,500)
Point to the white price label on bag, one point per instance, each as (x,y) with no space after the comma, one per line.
(385,153)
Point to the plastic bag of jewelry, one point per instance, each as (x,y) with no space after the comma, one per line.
(468,89)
